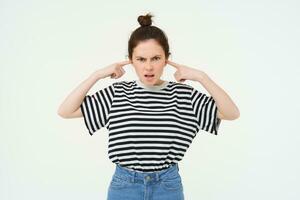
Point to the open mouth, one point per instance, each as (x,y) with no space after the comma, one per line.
(149,75)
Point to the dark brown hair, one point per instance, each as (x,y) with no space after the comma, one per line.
(147,31)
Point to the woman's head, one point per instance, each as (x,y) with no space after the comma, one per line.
(148,50)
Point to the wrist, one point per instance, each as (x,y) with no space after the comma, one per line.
(97,75)
(201,76)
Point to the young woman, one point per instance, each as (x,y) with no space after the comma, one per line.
(151,121)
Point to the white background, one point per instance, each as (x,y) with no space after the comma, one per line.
(249,48)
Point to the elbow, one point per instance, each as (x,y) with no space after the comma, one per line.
(233,116)
(61,114)
(236,115)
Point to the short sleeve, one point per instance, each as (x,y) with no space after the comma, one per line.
(205,109)
(95,108)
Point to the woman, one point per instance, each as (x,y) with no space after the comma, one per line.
(151,121)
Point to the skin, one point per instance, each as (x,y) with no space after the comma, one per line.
(226,107)
(148,57)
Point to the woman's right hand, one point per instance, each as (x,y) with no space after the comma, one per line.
(114,70)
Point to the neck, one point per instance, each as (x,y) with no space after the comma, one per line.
(153,87)
(158,83)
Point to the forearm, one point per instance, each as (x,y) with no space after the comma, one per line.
(76,97)
(224,103)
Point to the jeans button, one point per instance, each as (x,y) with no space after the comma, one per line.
(148,178)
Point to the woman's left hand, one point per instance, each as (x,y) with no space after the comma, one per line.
(184,73)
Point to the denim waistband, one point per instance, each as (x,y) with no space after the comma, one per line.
(136,176)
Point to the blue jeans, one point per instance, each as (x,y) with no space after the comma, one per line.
(128,184)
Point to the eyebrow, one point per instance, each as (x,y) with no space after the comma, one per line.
(152,57)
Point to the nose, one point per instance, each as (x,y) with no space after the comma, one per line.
(148,66)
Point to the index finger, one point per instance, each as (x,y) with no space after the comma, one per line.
(173,64)
(121,64)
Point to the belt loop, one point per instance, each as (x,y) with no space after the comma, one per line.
(133,177)
(157,176)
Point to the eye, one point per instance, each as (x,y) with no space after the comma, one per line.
(156,58)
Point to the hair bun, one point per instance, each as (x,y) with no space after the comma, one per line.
(145,20)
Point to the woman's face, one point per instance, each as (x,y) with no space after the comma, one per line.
(148,58)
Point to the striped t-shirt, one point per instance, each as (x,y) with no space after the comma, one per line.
(150,127)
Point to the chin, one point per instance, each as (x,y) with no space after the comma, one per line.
(151,81)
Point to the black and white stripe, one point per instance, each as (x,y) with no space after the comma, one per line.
(205,109)
(149,129)
(95,108)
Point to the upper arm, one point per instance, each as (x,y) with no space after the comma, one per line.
(75,114)
(96,107)
(205,110)
(219,115)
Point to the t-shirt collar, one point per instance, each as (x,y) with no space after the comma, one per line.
(151,87)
